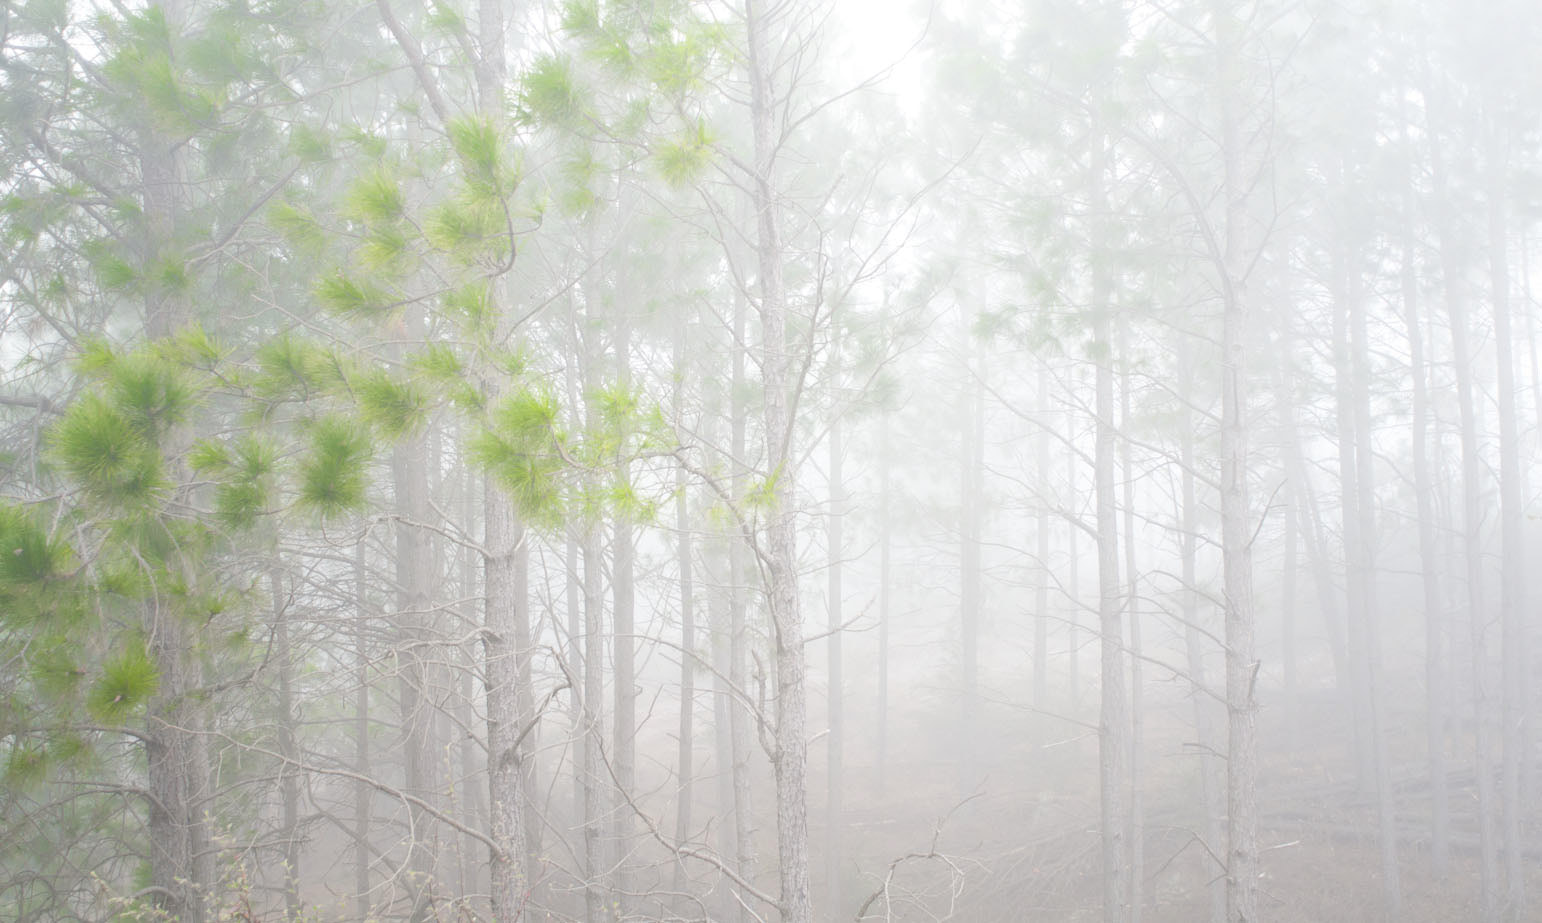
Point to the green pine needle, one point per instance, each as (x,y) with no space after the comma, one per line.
(127,682)
(104,451)
(395,408)
(376,198)
(550,92)
(29,558)
(332,476)
(349,298)
(684,158)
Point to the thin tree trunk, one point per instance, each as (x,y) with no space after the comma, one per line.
(1430,565)
(723,705)
(971,470)
(507,712)
(624,655)
(1472,530)
(1514,641)
(1137,664)
(176,747)
(885,541)
(1073,583)
(409,476)
(790,756)
(836,742)
(1046,575)
(1236,516)
(289,780)
(739,719)
(1356,572)
(1357,478)
(595,776)
(362,792)
(685,759)
(1113,715)
(1211,784)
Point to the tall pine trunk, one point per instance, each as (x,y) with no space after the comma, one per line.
(1236,516)
(1472,525)
(836,743)
(790,755)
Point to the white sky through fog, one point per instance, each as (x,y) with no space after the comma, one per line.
(871,35)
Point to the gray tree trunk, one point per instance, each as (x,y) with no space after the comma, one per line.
(971,471)
(596,779)
(1044,520)
(885,542)
(1132,616)
(836,742)
(624,656)
(409,477)
(1430,570)
(362,792)
(176,747)
(1236,516)
(1206,720)
(507,710)
(1472,527)
(790,757)
(1113,713)
(685,756)
(289,778)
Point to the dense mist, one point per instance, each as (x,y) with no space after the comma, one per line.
(769,461)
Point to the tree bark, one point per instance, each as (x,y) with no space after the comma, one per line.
(836,742)
(1236,527)
(1514,640)
(685,757)
(1472,526)
(409,477)
(624,654)
(289,780)
(1430,570)
(1113,715)
(595,777)
(1132,616)
(885,542)
(790,757)
(362,791)
(1212,786)
(1044,519)
(507,710)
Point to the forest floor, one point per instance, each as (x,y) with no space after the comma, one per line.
(1021,844)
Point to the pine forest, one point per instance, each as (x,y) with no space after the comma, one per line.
(770,461)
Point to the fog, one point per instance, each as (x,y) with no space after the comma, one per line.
(779,460)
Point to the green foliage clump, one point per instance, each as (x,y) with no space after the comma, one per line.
(126,683)
(36,572)
(393,406)
(467,227)
(347,297)
(332,475)
(479,148)
(471,306)
(550,91)
(685,157)
(147,81)
(113,272)
(29,557)
(376,198)
(245,469)
(298,227)
(288,365)
(520,446)
(386,252)
(106,454)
